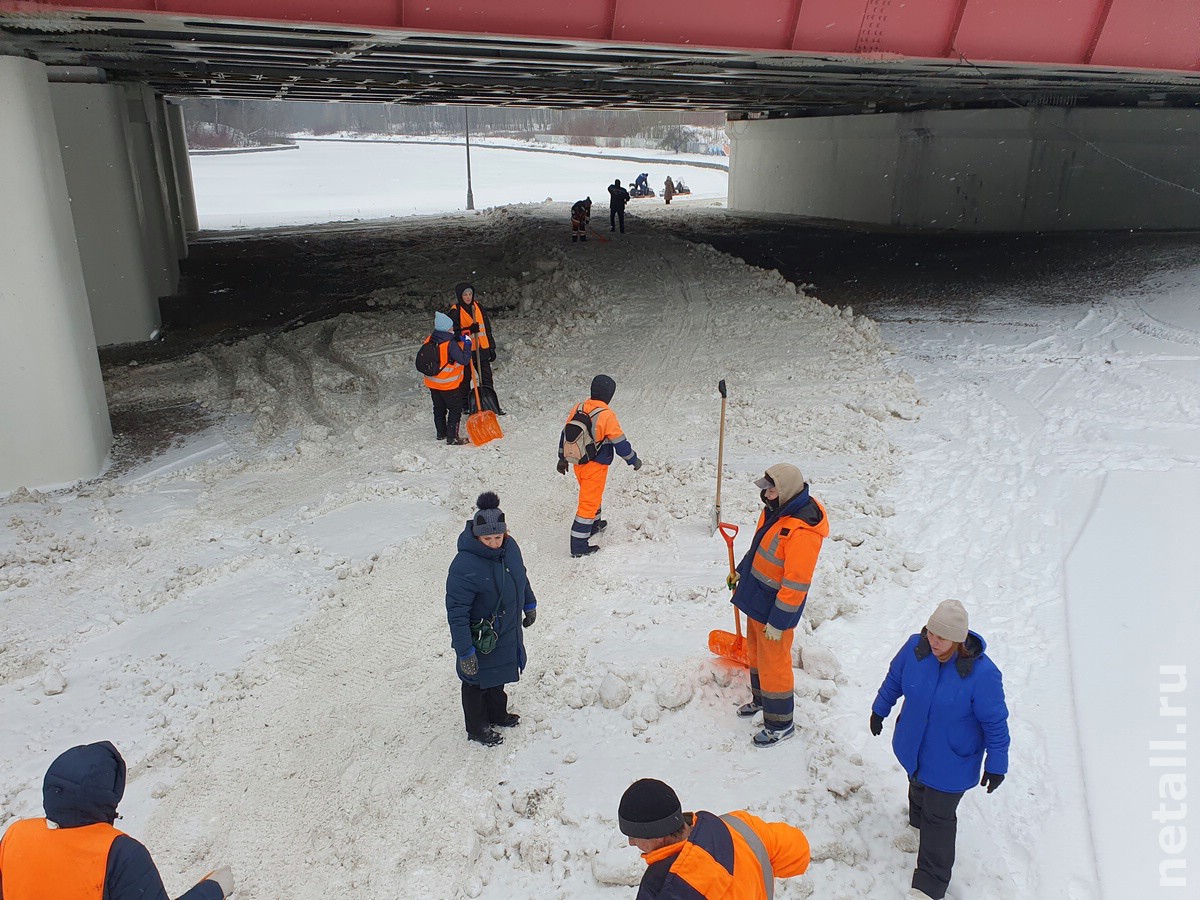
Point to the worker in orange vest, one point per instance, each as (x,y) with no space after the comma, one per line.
(445,387)
(736,856)
(469,317)
(74,853)
(607,440)
(770,586)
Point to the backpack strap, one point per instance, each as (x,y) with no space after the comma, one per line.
(757,847)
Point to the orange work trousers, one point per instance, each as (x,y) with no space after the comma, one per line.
(772,681)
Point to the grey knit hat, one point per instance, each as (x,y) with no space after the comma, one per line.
(949,621)
(490,518)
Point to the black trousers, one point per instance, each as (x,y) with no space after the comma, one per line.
(935,813)
(483,707)
(613,214)
(447,410)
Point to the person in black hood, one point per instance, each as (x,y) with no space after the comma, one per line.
(75,852)
(469,317)
(589,440)
(617,198)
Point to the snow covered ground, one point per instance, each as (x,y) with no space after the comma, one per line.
(255,617)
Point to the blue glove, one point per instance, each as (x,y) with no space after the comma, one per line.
(469,664)
(466,342)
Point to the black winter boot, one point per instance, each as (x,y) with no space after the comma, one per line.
(488,738)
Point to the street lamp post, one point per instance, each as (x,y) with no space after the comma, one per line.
(467,131)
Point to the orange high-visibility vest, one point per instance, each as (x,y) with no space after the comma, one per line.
(481,338)
(38,862)
(450,375)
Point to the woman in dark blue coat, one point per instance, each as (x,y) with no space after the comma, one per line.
(953,711)
(488,584)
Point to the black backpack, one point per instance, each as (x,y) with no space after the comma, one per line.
(579,440)
(429,358)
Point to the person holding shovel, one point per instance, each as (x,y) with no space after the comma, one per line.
(469,317)
(445,385)
(770,586)
(489,602)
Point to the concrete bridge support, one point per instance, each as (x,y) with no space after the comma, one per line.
(1046,169)
(108,229)
(54,416)
(149,164)
(183,169)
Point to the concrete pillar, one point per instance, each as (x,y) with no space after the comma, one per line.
(54,425)
(183,168)
(1048,169)
(91,135)
(166,165)
(157,230)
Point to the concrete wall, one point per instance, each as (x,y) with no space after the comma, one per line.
(158,231)
(183,168)
(54,425)
(90,119)
(1050,169)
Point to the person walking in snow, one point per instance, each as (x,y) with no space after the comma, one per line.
(617,198)
(736,856)
(953,712)
(75,853)
(605,437)
(770,586)
(489,603)
(668,190)
(581,214)
(454,352)
(469,317)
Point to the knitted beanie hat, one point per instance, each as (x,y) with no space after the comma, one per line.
(603,388)
(949,621)
(490,518)
(649,809)
(441,322)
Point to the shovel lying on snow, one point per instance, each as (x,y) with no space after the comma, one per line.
(482,425)
(730,646)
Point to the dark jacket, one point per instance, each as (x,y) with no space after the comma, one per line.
(457,352)
(83,787)
(581,210)
(617,197)
(479,579)
(952,712)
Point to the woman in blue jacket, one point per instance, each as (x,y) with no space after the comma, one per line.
(488,603)
(953,711)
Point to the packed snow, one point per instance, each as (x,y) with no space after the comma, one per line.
(255,616)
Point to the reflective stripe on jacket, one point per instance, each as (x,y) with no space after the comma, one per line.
(451,374)
(475,323)
(776,574)
(717,863)
(38,862)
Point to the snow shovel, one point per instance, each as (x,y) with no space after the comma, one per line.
(716,514)
(482,425)
(730,646)
(482,395)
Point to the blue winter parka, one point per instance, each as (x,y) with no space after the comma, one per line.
(953,711)
(479,579)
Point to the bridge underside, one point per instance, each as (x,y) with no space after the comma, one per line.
(182,55)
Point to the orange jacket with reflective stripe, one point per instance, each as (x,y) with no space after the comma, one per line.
(782,569)
(475,323)
(451,374)
(42,863)
(718,864)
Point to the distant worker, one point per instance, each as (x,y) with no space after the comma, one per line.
(590,439)
(668,190)
(445,385)
(617,198)
(771,587)
(703,856)
(581,214)
(75,853)
(641,185)
(469,317)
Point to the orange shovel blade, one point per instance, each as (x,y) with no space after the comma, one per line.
(482,427)
(729,646)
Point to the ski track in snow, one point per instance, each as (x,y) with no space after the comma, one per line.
(314,740)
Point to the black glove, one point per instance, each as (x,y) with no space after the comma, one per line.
(469,663)
(562,466)
(530,618)
(876,724)
(990,781)
(637,463)
(490,354)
